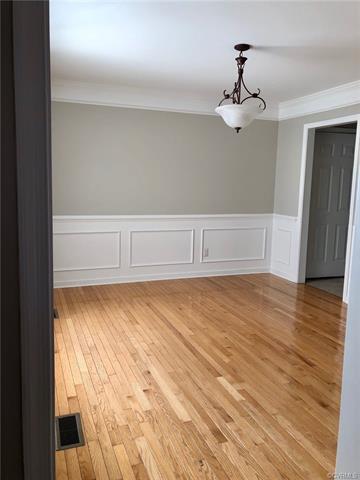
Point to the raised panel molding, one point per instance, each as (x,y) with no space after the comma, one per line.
(233,244)
(161,247)
(86,251)
(94,250)
(152,247)
(285,247)
(282,247)
(340,242)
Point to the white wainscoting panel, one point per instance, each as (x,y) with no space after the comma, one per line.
(151,248)
(285,247)
(86,250)
(233,244)
(90,250)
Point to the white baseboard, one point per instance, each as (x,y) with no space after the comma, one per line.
(93,250)
(155,277)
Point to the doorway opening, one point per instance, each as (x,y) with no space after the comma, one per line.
(327,203)
(332,173)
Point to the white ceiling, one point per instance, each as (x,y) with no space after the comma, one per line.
(185,49)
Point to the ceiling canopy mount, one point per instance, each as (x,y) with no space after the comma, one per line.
(242,47)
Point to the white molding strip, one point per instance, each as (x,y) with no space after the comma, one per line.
(154,247)
(330,99)
(157,276)
(135,218)
(140,98)
(180,102)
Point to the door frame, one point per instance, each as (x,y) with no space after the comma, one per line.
(307,159)
(27,357)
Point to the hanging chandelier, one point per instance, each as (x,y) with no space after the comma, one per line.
(239,114)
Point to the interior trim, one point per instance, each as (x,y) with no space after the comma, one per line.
(337,97)
(150,99)
(238,244)
(143,99)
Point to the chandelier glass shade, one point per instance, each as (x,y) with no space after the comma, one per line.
(239,114)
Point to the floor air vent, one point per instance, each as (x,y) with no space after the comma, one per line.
(68,431)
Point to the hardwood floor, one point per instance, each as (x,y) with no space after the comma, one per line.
(213,378)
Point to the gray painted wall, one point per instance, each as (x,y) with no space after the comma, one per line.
(290,137)
(109,160)
(348,453)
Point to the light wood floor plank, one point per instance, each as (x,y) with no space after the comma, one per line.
(124,463)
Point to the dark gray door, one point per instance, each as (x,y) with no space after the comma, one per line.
(330,204)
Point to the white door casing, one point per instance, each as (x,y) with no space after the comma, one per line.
(330,204)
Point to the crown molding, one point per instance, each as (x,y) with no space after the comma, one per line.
(330,99)
(140,98)
(170,101)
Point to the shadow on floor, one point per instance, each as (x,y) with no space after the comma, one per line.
(331,285)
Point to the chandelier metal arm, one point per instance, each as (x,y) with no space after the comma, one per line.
(248,91)
(262,104)
(235,95)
